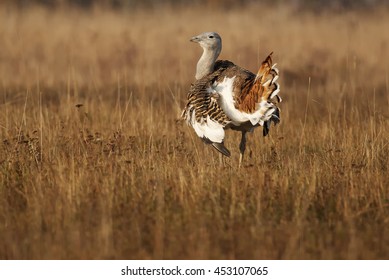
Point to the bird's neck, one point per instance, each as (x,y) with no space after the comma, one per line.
(206,62)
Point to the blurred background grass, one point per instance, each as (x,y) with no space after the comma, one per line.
(95,164)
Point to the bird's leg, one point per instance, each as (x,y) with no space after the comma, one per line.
(242,147)
(221,160)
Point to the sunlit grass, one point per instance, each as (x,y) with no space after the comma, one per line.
(95,163)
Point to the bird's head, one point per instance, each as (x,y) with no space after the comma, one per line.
(208,41)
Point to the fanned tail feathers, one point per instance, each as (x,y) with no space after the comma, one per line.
(266,84)
(266,79)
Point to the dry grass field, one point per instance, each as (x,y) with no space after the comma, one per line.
(96,164)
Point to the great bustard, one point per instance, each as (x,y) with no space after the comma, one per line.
(225,95)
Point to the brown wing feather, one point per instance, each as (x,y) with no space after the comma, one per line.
(255,88)
(203,102)
(244,80)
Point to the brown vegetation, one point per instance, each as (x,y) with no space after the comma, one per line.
(94,163)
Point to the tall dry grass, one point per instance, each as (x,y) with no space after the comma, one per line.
(95,165)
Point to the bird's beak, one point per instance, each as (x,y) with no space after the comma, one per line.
(195,39)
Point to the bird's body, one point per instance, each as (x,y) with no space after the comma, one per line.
(228,96)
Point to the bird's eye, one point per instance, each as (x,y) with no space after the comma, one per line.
(211,36)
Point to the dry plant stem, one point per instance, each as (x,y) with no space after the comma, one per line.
(305,115)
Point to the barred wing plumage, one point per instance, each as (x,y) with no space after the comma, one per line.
(204,114)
